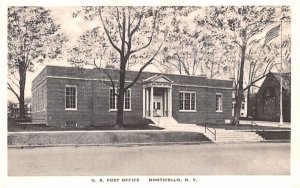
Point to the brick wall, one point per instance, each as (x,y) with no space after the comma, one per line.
(39,100)
(93,98)
(101,113)
(205,105)
(57,115)
(92,104)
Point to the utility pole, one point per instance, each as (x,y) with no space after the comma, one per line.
(281,116)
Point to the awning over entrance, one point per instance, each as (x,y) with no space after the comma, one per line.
(157,96)
(158,81)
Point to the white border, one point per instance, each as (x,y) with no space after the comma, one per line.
(190,101)
(292,181)
(71,109)
(115,109)
(220,111)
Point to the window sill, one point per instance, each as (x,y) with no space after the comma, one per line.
(115,110)
(219,111)
(188,111)
(39,111)
(70,109)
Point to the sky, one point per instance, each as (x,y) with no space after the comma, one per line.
(73,28)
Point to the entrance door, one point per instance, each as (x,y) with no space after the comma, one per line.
(157,106)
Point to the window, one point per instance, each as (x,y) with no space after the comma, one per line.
(158,106)
(243,106)
(71,98)
(219,102)
(43,98)
(113,100)
(33,101)
(37,100)
(127,100)
(187,101)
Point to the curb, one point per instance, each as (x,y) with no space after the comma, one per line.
(111,144)
(277,141)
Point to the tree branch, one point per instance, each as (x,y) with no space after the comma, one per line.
(112,84)
(254,82)
(137,25)
(14,92)
(151,37)
(236,42)
(15,77)
(107,34)
(119,24)
(14,82)
(144,66)
(186,67)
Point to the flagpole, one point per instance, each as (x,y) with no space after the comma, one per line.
(281,116)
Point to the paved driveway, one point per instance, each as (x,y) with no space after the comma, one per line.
(205,159)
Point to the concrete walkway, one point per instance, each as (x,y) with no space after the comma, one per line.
(267,123)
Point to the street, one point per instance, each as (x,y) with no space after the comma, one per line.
(205,159)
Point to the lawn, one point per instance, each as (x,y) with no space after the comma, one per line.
(103,138)
(13,126)
(245,127)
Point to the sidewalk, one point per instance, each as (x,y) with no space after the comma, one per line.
(267,123)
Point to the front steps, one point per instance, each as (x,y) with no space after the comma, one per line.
(230,136)
(222,135)
(169,123)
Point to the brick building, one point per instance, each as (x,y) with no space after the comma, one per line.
(69,96)
(268,98)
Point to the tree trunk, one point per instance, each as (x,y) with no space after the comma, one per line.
(239,95)
(22,73)
(249,106)
(120,98)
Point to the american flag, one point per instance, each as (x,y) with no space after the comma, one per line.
(271,34)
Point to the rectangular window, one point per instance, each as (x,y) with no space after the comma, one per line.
(43,97)
(158,106)
(187,101)
(37,100)
(243,106)
(71,97)
(127,101)
(113,100)
(33,101)
(219,102)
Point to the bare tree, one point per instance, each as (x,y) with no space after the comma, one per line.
(129,31)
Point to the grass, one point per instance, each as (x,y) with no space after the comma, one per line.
(245,127)
(99,138)
(275,135)
(14,126)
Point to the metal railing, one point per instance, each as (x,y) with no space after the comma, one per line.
(155,114)
(257,128)
(210,130)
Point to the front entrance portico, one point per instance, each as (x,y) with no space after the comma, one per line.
(157,97)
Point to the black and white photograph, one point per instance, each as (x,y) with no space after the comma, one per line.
(122,95)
